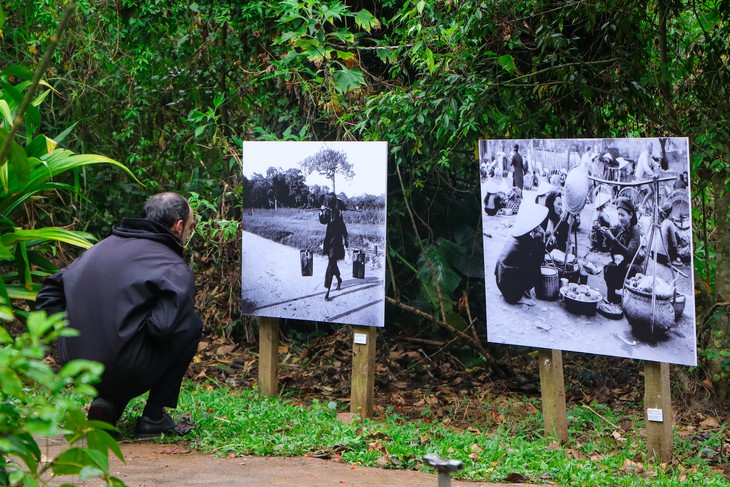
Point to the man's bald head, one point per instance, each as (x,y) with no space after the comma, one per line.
(167,209)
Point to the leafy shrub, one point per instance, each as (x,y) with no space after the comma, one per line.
(34,402)
(31,169)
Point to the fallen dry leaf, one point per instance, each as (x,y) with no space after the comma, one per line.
(378,435)
(383,461)
(377,446)
(618,437)
(710,423)
(347,418)
(515,478)
(226,349)
(630,466)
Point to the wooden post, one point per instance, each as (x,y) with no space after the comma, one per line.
(658,404)
(552,389)
(269,356)
(363,370)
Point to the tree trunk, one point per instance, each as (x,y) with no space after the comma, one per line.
(721,337)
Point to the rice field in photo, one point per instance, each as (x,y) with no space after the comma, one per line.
(300,228)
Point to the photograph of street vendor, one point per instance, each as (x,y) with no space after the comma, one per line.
(624,240)
(314,213)
(518,267)
(620,282)
(556,223)
(335,241)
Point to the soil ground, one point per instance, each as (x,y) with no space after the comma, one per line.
(151,464)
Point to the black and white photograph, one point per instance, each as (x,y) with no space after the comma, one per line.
(588,246)
(313,243)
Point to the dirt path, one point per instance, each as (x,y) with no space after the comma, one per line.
(150,464)
(273,286)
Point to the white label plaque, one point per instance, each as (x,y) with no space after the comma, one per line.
(655,415)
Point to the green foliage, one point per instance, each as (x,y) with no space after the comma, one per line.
(32,168)
(211,224)
(34,402)
(33,398)
(318,34)
(208,119)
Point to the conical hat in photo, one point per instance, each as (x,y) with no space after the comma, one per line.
(544,188)
(491,187)
(576,190)
(529,216)
(601,199)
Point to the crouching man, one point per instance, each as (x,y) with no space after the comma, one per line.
(132,299)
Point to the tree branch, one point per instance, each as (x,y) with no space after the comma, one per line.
(469,340)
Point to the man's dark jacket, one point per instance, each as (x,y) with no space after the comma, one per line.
(125,295)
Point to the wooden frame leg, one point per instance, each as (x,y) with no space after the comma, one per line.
(658,404)
(552,389)
(269,356)
(363,370)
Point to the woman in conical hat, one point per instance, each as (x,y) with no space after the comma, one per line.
(624,241)
(336,239)
(518,267)
(542,191)
(493,199)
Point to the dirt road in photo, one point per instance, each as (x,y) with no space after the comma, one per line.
(275,287)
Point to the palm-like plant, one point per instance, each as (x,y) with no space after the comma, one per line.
(30,168)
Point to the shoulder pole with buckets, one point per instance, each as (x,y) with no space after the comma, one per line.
(661,312)
(657,391)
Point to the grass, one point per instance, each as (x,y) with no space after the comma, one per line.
(239,422)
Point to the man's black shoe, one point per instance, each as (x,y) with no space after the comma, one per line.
(102,410)
(148,428)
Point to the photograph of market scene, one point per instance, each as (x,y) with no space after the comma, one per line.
(587,246)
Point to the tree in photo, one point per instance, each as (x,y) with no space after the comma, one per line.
(329,162)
